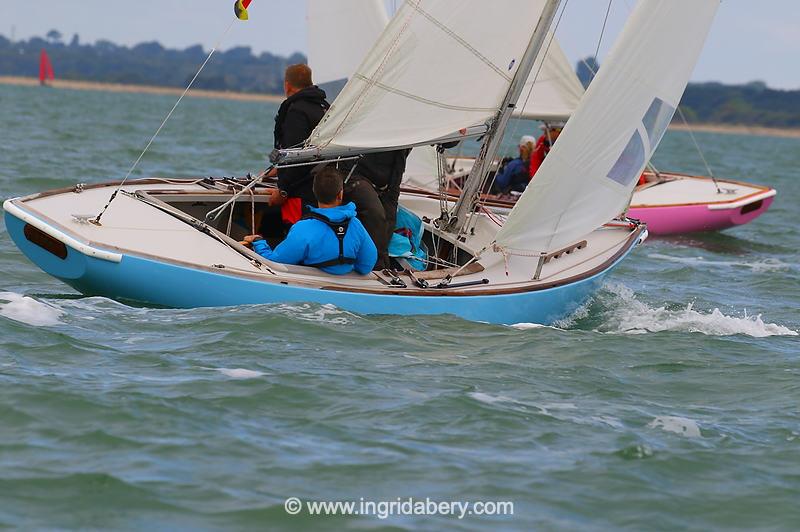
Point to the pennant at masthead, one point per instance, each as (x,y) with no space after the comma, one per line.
(240,9)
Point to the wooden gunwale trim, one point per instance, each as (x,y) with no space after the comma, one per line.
(518,290)
(743,198)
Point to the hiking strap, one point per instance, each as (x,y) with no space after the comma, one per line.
(340,230)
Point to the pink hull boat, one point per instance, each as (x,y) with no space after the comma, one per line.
(687,204)
(670,203)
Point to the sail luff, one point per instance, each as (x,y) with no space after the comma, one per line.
(588,176)
(495,136)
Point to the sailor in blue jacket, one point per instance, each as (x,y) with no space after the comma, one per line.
(329,237)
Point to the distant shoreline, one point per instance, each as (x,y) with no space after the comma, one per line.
(274,98)
(142,89)
(736,129)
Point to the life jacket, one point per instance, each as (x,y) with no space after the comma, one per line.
(340,230)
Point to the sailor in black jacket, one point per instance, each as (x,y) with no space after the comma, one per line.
(375,189)
(299,114)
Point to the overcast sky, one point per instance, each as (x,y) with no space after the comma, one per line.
(749,40)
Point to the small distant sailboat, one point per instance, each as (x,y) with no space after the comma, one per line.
(163,241)
(46,74)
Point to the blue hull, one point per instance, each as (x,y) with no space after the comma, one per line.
(159,283)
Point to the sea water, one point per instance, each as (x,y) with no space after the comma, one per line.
(671,400)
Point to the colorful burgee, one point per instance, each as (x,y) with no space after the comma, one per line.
(240,8)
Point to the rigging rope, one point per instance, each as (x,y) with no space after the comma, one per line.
(697,145)
(603,31)
(96,221)
(481,203)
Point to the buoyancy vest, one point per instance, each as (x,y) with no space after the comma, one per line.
(340,230)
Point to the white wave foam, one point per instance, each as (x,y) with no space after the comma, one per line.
(326,313)
(240,373)
(579,313)
(679,425)
(559,325)
(628,315)
(555,410)
(526,326)
(27,310)
(490,399)
(766,265)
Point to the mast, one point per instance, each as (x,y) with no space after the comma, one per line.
(495,135)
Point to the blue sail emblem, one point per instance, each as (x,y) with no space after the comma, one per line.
(641,146)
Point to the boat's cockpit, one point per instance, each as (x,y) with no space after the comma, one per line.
(250,213)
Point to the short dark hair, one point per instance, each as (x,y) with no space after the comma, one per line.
(298,76)
(327,184)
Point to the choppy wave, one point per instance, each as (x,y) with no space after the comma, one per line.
(679,425)
(759,266)
(28,310)
(626,314)
(239,373)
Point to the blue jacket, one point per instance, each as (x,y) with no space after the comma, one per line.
(312,242)
(514,172)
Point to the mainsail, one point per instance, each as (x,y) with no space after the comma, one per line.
(340,33)
(589,175)
(439,67)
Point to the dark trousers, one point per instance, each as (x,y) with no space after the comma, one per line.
(377,210)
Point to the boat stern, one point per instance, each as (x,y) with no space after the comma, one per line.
(55,252)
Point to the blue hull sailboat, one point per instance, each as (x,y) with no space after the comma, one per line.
(176,242)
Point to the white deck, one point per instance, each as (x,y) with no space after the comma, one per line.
(131,226)
(686,190)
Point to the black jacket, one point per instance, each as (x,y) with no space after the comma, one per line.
(384,169)
(297,117)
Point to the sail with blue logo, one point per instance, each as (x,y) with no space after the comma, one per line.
(588,177)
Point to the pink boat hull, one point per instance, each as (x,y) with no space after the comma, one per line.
(675,219)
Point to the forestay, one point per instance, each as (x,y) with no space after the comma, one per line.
(439,67)
(589,175)
(340,33)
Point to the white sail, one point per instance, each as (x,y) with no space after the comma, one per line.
(422,168)
(555,96)
(340,33)
(439,67)
(556,89)
(589,175)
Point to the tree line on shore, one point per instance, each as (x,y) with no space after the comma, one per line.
(149,63)
(240,70)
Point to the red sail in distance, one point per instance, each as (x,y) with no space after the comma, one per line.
(45,69)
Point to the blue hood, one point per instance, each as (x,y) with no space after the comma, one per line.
(337,214)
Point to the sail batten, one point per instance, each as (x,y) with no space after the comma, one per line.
(589,175)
